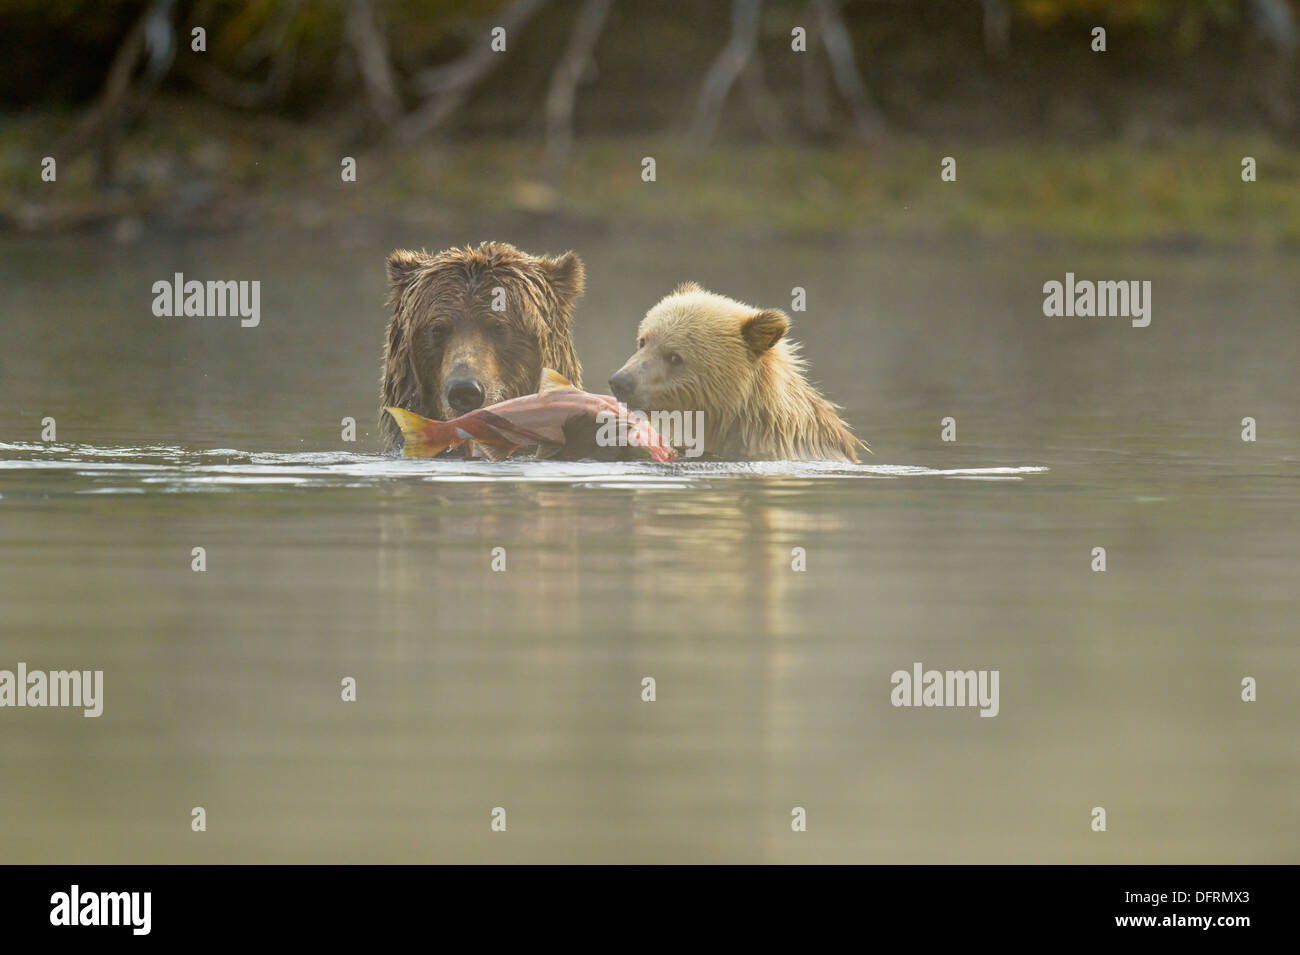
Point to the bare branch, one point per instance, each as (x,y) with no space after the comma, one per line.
(816,101)
(726,68)
(448,87)
(123,94)
(372,59)
(997,28)
(1274,21)
(568,73)
(839,47)
(271,43)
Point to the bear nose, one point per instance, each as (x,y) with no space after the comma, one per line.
(465,394)
(621,384)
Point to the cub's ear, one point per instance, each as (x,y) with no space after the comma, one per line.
(686,287)
(402,266)
(764,329)
(566,275)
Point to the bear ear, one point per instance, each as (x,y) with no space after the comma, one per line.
(402,266)
(687,287)
(566,275)
(764,329)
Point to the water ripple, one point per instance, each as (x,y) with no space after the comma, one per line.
(133,470)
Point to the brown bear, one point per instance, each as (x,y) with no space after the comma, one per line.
(474,326)
(697,351)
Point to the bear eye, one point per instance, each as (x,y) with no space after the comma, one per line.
(438,332)
(640,343)
(500,330)
(674,359)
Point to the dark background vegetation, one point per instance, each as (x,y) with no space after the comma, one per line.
(930,66)
(838,137)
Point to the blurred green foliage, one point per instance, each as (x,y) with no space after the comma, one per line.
(1186,23)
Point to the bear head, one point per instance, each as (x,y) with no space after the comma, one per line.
(474,326)
(699,351)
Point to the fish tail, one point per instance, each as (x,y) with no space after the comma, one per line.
(423,437)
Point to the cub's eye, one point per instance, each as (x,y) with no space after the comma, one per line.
(438,333)
(500,330)
(674,359)
(640,343)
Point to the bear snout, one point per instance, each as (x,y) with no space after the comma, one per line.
(623,384)
(464,394)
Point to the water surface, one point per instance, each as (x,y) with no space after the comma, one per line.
(522,688)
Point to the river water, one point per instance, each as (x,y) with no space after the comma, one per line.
(521,687)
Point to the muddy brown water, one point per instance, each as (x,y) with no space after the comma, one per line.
(522,689)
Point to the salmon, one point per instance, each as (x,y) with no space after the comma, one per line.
(531,421)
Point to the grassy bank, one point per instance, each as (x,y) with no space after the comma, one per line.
(195,167)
